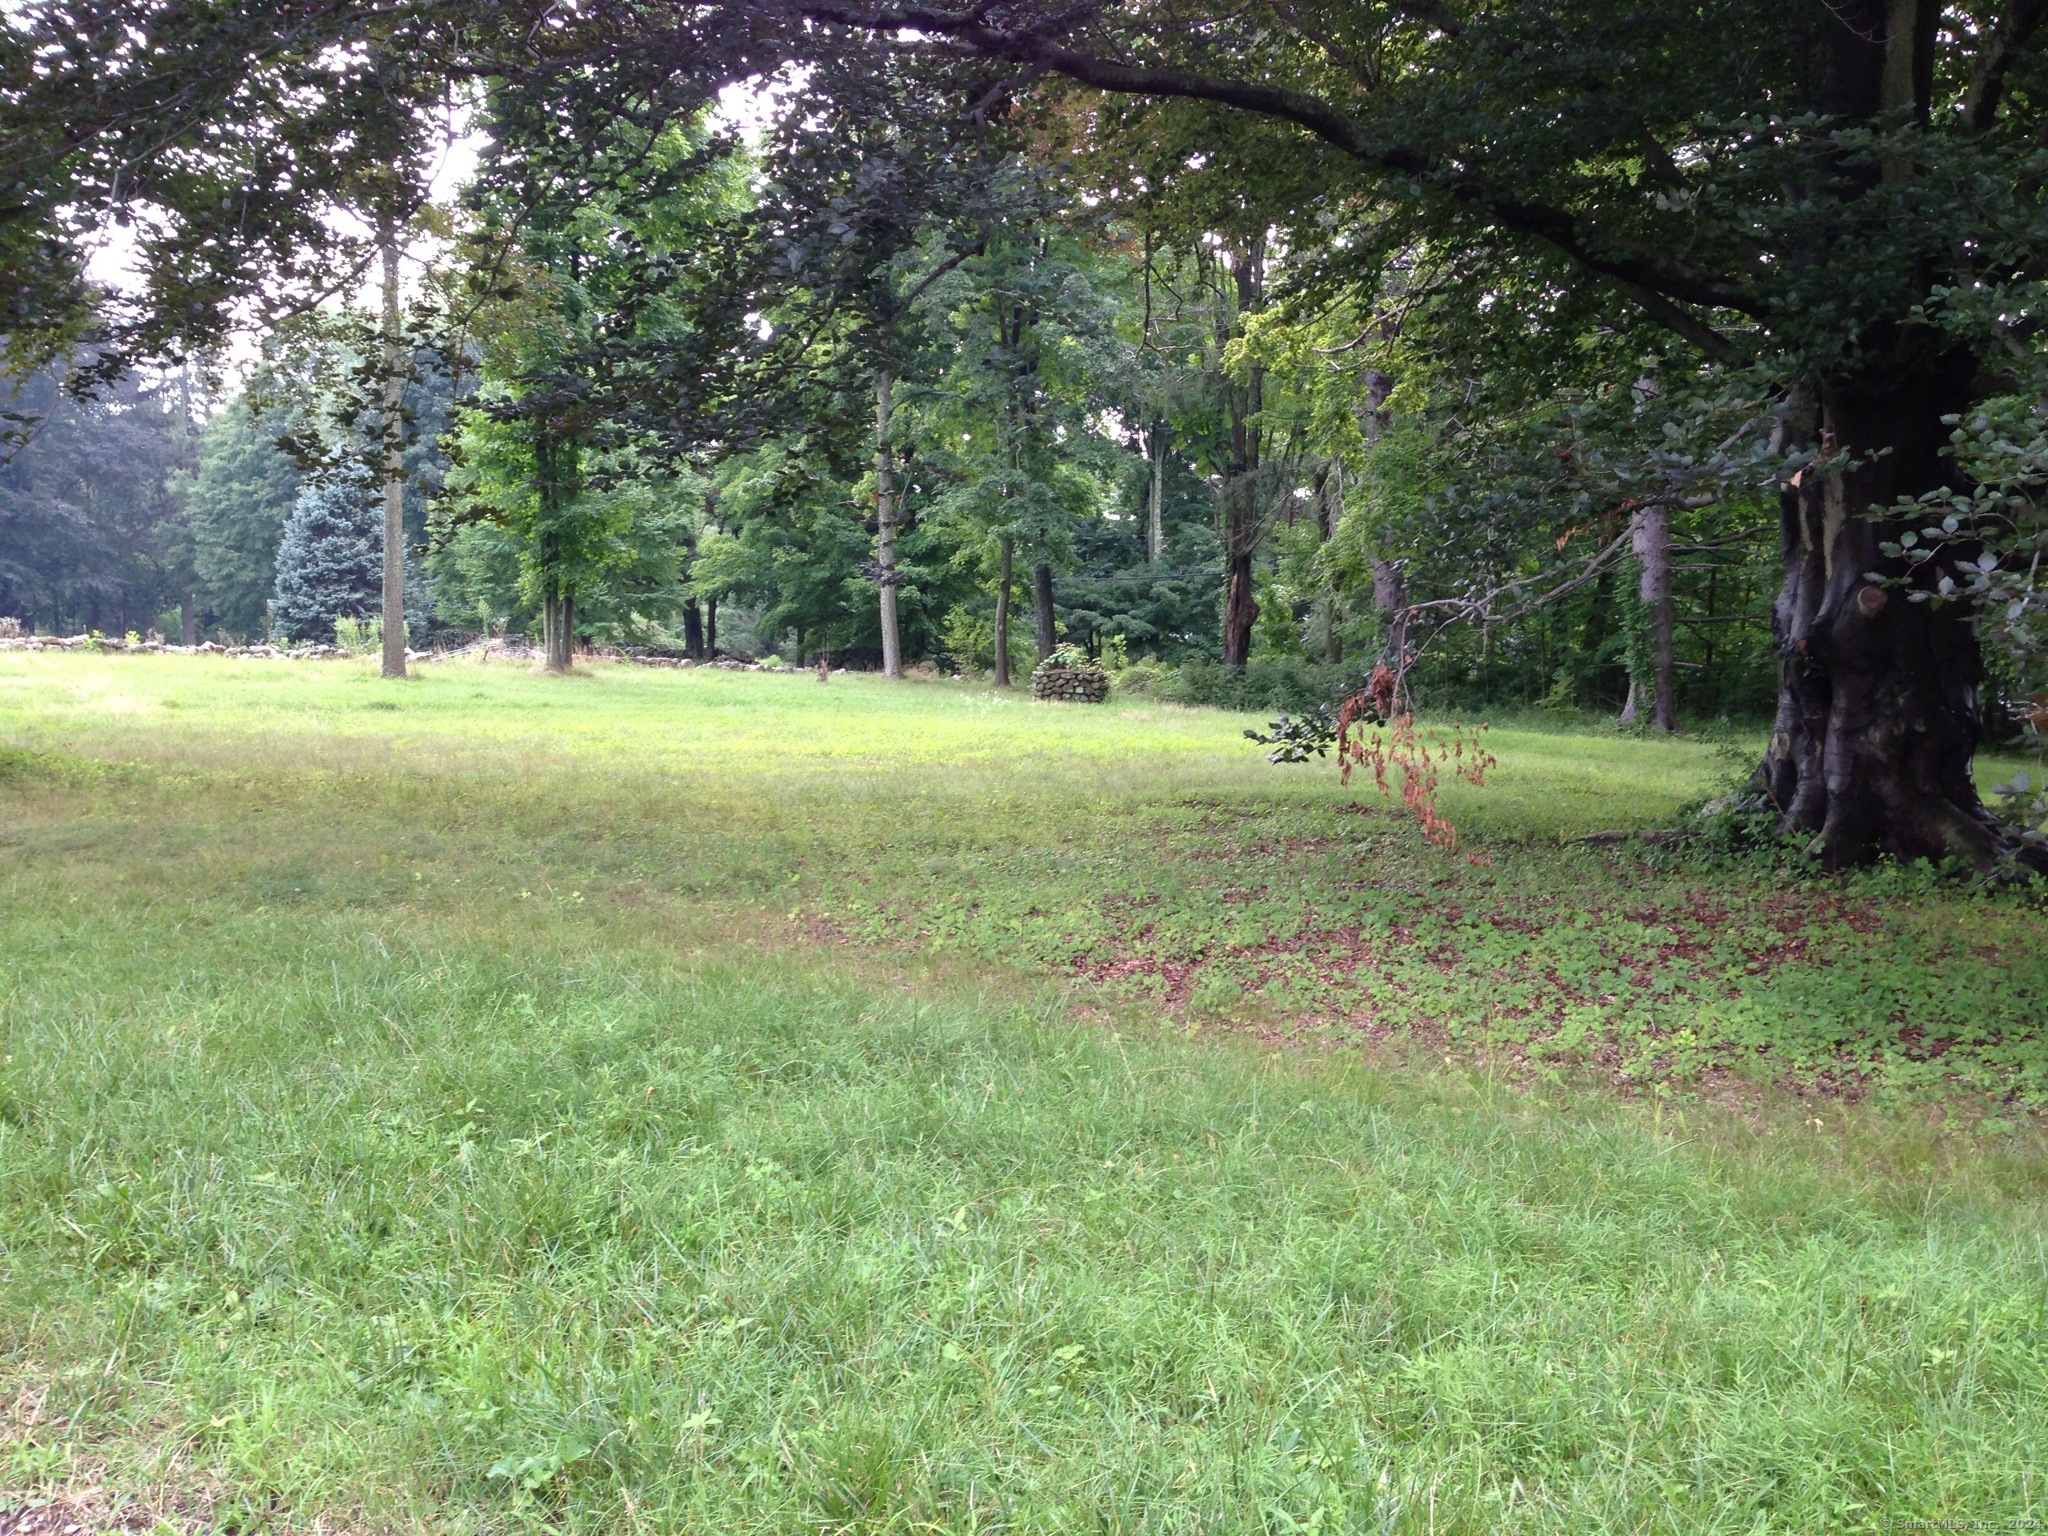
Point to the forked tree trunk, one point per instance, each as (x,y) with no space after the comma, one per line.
(1003,583)
(885,524)
(395,372)
(1878,714)
(1042,611)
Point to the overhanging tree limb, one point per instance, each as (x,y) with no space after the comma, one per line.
(2005,42)
(1645,274)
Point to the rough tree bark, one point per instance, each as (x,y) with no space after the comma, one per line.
(1240,608)
(1042,611)
(885,523)
(693,630)
(395,375)
(1004,580)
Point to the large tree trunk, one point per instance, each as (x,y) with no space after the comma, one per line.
(1003,583)
(395,375)
(1878,717)
(1042,611)
(693,630)
(559,619)
(885,524)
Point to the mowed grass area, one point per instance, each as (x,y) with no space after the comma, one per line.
(458,1105)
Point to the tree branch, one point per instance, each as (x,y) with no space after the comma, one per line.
(2007,40)
(940,271)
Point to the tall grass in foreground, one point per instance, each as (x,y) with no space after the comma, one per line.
(397,1125)
(496,1229)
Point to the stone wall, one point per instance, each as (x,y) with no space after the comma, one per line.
(1070,685)
(155,646)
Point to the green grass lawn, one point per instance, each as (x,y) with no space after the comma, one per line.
(662,1101)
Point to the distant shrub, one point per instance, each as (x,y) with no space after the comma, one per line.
(1139,679)
(1260,685)
(1067,657)
(359,637)
(967,642)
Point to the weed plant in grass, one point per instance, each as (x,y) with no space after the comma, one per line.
(419,1108)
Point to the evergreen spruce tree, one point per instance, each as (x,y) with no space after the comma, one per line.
(330,559)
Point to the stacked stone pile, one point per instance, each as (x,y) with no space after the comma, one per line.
(1070,685)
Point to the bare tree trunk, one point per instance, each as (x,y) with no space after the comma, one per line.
(1651,537)
(395,373)
(1390,597)
(1155,533)
(693,630)
(1042,612)
(1003,584)
(885,524)
(1329,509)
(711,629)
(188,621)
